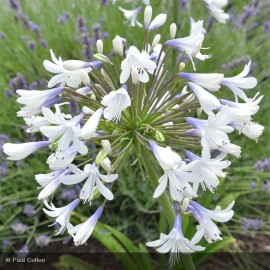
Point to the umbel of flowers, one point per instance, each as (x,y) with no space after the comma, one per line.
(137,100)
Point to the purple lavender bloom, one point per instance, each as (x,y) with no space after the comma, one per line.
(105,34)
(14,4)
(35,28)
(101,20)
(18,82)
(19,228)
(43,43)
(31,45)
(23,252)
(29,210)
(253,184)
(68,195)
(42,240)
(62,19)
(262,165)
(3,169)
(2,35)
(33,85)
(104,2)
(266,186)
(252,224)
(6,243)
(266,25)
(66,240)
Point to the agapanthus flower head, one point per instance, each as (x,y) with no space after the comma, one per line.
(142,101)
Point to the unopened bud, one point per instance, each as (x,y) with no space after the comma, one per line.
(87,110)
(117,45)
(199,111)
(135,75)
(184,205)
(106,165)
(95,194)
(147,16)
(173,29)
(159,136)
(93,97)
(106,146)
(156,40)
(102,73)
(182,65)
(100,46)
(100,157)
(103,58)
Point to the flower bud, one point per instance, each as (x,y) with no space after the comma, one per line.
(158,21)
(159,136)
(184,205)
(135,75)
(102,73)
(93,97)
(100,46)
(106,146)
(147,16)
(87,110)
(100,157)
(106,165)
(156,40)
(118,46)
(103,58)
(95,194)
(182,65)
(173,29)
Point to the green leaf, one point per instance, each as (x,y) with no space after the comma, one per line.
(198,258)
(68,262)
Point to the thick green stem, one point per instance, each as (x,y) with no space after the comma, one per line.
(165,203)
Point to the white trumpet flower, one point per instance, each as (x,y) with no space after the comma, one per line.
(116,102)
(211,82)
(19,151)
(61,214)
(83,231)
(205,217)
(90,127)
(206,170)
(63,132)
(131,15)
(139,60)
(192,44)
(175,242)
(93,178)
(178,179)
(70,72)
(239,83)
(207,101)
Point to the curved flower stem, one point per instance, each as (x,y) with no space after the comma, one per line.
(164,202)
